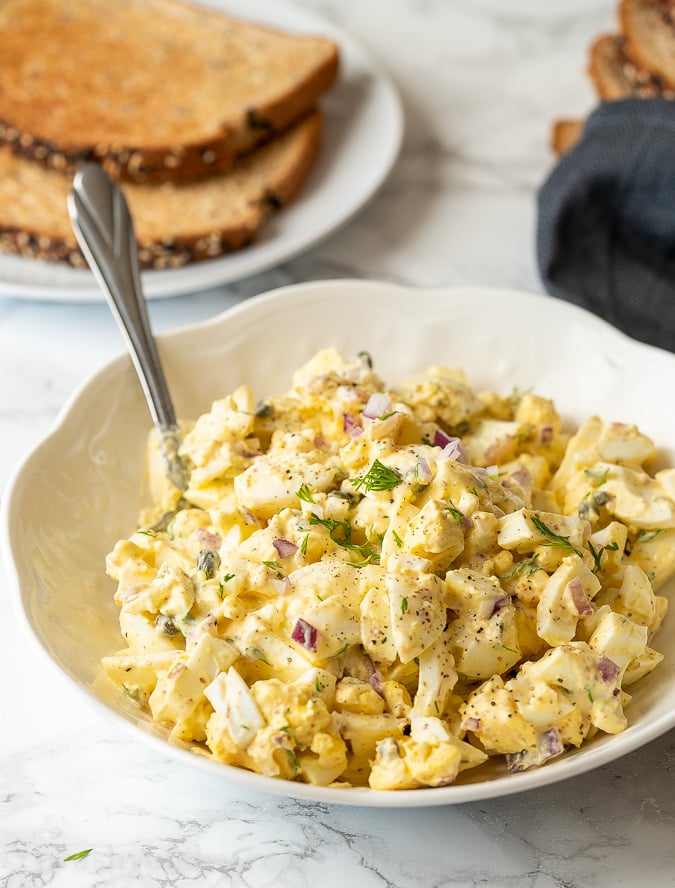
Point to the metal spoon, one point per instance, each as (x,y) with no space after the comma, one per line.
(104,229)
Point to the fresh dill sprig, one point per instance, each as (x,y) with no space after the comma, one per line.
(516,395)
(221,585)
(454,511)
(293,759)
(554,540)
(257,654)
(378,477)
(275,567)
(597,475)
(341,533)
(304,493)
(528,567)
(646,536)
(598,553)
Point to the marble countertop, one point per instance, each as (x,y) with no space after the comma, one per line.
(481,82)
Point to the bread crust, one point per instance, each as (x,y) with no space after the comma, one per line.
(629,64)
(614,76)
(649,30)
(51,238)
(141,154)
(565,135)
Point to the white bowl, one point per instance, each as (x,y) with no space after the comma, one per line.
(79,490)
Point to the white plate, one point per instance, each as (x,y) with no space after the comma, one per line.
(78,491)
(363,127)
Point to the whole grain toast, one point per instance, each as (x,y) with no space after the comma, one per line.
(649,30)
(615,76)
(175,223)
(152,89)
(565,135)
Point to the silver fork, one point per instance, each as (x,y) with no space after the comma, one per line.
(104,229)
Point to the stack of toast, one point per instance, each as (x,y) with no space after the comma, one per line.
(209,123)
(638,62)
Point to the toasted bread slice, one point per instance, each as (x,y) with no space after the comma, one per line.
(175,223)
(614,76)
(649,29)
(565,135)
(152,89)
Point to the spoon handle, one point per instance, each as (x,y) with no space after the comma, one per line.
(105,232)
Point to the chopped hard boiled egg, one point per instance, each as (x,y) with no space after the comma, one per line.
(384,588)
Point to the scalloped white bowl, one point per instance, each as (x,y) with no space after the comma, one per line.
(79,490)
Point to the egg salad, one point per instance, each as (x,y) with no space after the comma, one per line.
(372,587)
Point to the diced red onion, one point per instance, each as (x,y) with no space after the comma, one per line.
(471,723)
(546,434)
(489,607)
(351,426)
(451,447)
(320,443)
(581,603)
(378,405)
(305,634)
(423,470)
(608,670)
(282,586)
(375,681)
(453,450)
(207,626)
(284,548)
(441,439)
(497,605)
(248,516)
(373,677)
(492,470)
(207,539)
(550,744)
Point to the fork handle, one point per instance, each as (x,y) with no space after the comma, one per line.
(105,232)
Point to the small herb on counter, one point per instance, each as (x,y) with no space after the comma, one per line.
(79,855)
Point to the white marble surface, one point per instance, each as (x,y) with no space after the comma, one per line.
(481,81)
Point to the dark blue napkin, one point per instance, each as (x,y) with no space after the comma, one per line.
(606,220)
